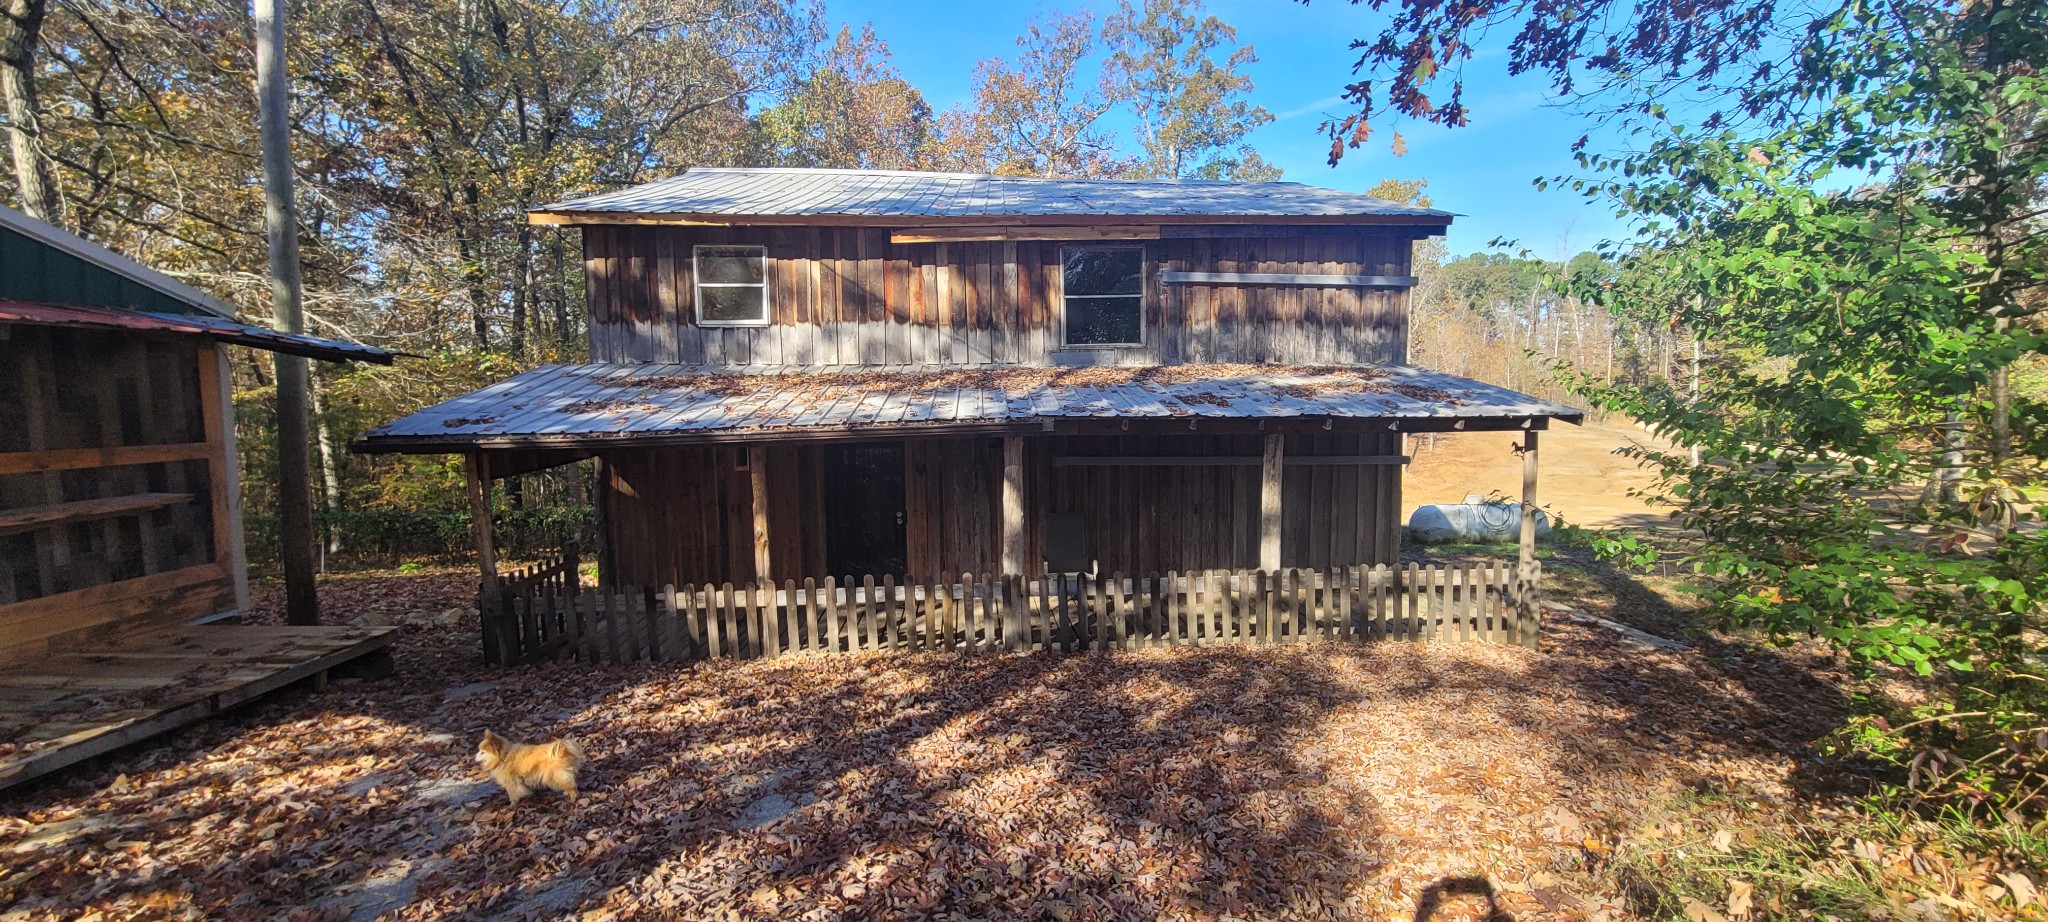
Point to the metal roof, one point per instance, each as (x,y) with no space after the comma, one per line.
(593,404)
(731,191)
(227,331)
(58,270)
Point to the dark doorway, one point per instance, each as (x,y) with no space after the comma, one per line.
(864,510)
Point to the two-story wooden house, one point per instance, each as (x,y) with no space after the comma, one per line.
(832,373)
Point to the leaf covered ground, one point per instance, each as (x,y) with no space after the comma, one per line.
(1321,781)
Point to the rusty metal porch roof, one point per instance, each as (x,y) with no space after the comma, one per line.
(595,405)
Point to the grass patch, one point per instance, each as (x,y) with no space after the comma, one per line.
(1709,856)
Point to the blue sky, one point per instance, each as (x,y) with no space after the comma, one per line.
(1482,171)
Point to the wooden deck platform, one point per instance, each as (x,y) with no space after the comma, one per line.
(70,707)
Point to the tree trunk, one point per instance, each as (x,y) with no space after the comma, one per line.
(469,250)
(522,291)
(330,467)
(20,30)
(560,273)
(281,223)
(1695,391)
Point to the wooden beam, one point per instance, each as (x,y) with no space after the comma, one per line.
(172,591)
(500,629)
(1528,596)
(51,515)
(1223,461)
(223,474)
(1270,468)
(78,459)
(479,468)
(968,234)
(1013,507)
(1226,231)
(1286,278)
(757,474)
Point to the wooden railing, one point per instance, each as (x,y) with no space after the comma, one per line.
(553,619)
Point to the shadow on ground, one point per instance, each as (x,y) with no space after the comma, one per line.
(1316,781)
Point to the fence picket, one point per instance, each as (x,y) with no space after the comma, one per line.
(991,612)
(714,630)
(531,619)
(1166,601)
(1492,610)
(636,625)
(608,620)
(1291,622)
(1215,600)
(1473,619)
(972,613)
(549,627)
(892,632)
(665,624)
(1348,577)
(1378,581)
(1439,609)
(1206,616)
(1052,609)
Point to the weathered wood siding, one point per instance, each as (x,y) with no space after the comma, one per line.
(685,515)
(113,479)
(847,296)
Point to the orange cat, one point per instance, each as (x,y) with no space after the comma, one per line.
(521,768)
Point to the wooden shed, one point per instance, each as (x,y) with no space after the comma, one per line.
(120,511)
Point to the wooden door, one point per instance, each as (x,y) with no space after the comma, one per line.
(864,510)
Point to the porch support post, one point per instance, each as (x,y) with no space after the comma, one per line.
(757,473)
(1528,596)
(1013,506)
(489,601)
(1270,468)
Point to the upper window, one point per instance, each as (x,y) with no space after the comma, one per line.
(732,286)
(1104,291)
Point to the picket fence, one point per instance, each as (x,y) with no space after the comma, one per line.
(543,615)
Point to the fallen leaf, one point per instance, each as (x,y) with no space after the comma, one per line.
(1696,911)
(2022,887)
(1739,898)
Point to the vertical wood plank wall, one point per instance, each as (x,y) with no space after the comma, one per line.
(685,514)
(77,396)
(847,296)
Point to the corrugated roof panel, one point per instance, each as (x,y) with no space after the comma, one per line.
(585,403)
(203,325)
(888,194)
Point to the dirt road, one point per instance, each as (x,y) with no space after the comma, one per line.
(1579,477)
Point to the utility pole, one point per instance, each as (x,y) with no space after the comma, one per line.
(281,222)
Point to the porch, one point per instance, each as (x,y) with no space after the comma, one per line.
(66,707)
(1088,508)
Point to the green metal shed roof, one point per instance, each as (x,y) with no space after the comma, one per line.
(40,262)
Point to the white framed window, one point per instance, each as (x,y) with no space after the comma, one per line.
(1102,296)
(731,285)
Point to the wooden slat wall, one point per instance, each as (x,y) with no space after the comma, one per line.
(684,515)
(73,391)
(953,488)
(1153,519)
(847,296)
